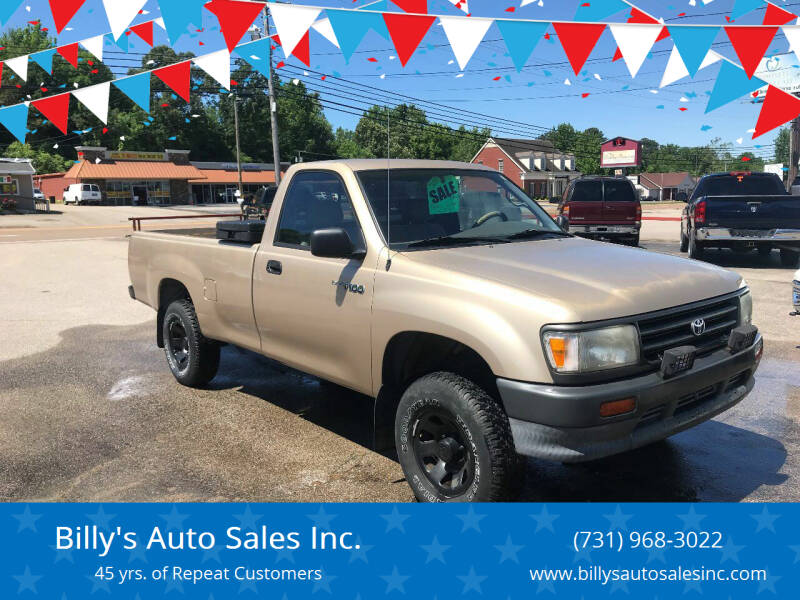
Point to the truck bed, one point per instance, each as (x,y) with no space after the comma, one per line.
(753,212)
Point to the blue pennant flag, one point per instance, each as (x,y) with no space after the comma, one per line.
(521,38)
(15,119)
(44,59)
(742,7)
(693,43)
(8,8)
(179,14)
(350,28)
(732,83)
(597,10)
(137,88)
(121,43)
(257,54)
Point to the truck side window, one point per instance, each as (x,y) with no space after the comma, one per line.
(587,191)
(315,200)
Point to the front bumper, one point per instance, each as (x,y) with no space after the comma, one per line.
(564,423)
(721,234)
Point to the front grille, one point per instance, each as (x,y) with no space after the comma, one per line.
(673,328)
(689,401)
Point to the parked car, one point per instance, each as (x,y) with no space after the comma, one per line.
(82,193)
(602,207)
(742,211)
(38,195)
(481,330)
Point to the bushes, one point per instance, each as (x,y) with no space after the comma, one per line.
(8,205)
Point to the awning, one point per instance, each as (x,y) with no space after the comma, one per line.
(136,170)
(220,176)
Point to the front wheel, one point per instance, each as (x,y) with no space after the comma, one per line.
(454,442)
(193,359)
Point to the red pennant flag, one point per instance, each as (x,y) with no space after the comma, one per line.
(407,32)
(751,44)
(302,51)
(413,6)
(69,53)
(775,15)
(63,11)
(235,18)
(617,55)
(56,109)
(578,41)
(178,78)
(778,108)
(144,31)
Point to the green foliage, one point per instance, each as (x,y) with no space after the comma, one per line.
(585,145)
(782,146)
(43,162)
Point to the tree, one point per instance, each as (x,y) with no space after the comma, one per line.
(585,145)
(782,146)
(43,162)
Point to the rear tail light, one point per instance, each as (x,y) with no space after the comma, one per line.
(700,212)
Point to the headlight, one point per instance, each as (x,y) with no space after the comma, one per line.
(596,350)
(745,308)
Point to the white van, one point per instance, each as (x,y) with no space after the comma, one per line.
(82,193)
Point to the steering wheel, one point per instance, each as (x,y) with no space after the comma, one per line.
(490,215)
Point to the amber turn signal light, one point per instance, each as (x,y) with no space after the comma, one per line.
(617,407)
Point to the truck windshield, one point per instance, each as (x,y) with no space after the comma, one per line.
(460,207)
(741,185)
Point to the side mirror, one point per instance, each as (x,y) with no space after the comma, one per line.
(334,243)
(563,222)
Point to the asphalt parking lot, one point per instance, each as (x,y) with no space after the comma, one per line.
(90,412)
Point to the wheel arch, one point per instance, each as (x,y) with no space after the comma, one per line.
(169,290)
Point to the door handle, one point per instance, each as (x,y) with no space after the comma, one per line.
(274,267)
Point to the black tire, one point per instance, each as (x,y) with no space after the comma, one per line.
(764,251)
(789,258)
(193,359)
(684,242)
(468,436)
(695,248)
(634,241)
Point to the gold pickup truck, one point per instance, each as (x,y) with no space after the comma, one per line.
(482,330)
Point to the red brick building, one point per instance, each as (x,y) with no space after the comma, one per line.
(536,166)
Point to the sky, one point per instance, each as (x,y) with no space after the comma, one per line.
(515,105)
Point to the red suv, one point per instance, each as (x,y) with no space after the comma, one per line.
(601,207)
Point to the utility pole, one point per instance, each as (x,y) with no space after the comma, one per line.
(794,152)
(238,148)
(273,105)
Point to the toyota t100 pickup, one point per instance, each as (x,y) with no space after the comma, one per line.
(480,328)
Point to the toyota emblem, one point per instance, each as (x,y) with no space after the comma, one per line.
(698,327)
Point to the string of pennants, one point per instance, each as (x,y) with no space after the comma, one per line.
(346,28)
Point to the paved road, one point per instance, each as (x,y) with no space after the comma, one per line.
(88,410)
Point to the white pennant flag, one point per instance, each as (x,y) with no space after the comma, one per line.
(95,98)
(323,26)
(292,23)
(217,65)
(676,69)
(464,5)
(464,35)
(121,13)
(95,46)
(635,41)
(19,65)
(792,34)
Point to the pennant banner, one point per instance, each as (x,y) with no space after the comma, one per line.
(137,88)
(217,65)
(350,27)
(121,13)
(8,8)
(15,119)
(693,43)
(177,77)
(732,83)
(44,59)
(578,41)
(69,53)
(145,32)
(676,70)
(324,28)
(56,109)
(407,32)
(521,38)
(236,16)
(19,65)
(464,35)
(178,15)
(293,23)
(775,15)
(95,98)
(95,46)
(751,44)
(63,11)
(778,108)
(634,42)
(256,54)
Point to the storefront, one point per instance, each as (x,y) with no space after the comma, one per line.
(16,182)
(158,178)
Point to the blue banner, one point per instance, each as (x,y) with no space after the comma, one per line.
(352,551)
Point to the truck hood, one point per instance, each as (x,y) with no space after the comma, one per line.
(591,280)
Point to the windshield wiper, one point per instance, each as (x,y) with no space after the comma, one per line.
(535,233)
(449,240)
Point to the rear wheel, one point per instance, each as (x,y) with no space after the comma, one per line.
(634,241)
(789,258)
(454,442)
(764,251)
(696,249)
(684,242)
(193,359)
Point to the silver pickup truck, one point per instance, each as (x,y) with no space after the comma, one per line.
(482,331)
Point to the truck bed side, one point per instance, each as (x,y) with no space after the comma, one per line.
(753,212)
(216,274)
